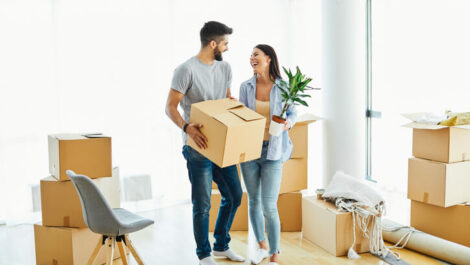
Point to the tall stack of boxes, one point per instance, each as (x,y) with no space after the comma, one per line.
(63,237)
(439,181)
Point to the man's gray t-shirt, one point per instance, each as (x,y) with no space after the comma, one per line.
(199,82)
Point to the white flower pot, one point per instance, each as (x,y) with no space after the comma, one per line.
(275,128)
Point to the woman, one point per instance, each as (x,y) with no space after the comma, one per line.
(262,177)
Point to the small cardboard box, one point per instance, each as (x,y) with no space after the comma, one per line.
(299,135)
(329,228)
(438,142)
(289,206)
(240,222)
(449,223)
(234,132)
(66,246)
(214,185)
(294,175)
(60,204)
(87,154)
(437,183)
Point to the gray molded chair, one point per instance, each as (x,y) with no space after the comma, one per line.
(113,224)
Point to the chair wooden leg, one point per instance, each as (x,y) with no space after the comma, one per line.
(110,250)
(96,251)
(122,251)
(133,251)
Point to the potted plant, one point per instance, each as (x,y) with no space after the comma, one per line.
(292,94)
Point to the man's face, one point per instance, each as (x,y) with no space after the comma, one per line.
(220,48)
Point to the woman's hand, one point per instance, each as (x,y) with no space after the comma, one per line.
(286,126)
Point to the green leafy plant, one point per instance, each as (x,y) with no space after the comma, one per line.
(293,91)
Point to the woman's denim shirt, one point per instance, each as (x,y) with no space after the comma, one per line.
(280,147)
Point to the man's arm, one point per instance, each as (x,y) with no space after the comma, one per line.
(193,129)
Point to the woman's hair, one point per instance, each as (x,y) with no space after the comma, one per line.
(274,64)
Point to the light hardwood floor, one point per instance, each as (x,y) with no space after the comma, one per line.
(170,241)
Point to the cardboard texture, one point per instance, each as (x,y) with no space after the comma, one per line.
(60,204)
(437,183)
(441,143)
(234,132)
(240,222)
(214,185)
(66,246)
(87,155)
(329,228)
(451,223)
(299,135)
(294,175)
(289,206)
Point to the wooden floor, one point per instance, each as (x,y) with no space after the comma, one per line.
(170,241)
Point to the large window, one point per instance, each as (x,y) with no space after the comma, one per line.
(106,66)
(420,63)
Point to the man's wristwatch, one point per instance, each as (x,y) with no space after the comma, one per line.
(185,126)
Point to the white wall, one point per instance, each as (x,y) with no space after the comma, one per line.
(344,87)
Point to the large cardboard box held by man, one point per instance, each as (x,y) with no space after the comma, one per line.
(451,223)
(289,206)
(438,183)
(66,246)
(60,204)
(87,154)
(329,228)
(234,132)
(294,175)
(240,222)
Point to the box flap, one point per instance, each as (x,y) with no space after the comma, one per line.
(213,107)
(69,136)
(228,119)
(246,113)
(307,118)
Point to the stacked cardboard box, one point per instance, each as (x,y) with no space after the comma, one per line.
(439,181)
(63,237)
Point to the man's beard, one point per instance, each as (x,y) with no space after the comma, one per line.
(218,55)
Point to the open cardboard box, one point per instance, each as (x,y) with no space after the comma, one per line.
(439,143)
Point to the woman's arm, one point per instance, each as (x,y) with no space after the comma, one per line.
(291,115)
(242,94)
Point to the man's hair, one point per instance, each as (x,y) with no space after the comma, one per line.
(213,31)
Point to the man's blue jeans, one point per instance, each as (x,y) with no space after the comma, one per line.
(201,172)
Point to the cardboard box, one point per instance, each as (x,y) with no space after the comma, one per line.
(299,135)
(87,154)
(329,228)
(437,183)
(66,246)
(289,206)
(294,175)
(449,223)
(214,185)
(60,204)
(234,132)
(240,222)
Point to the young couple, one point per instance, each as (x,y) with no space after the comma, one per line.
(207,77)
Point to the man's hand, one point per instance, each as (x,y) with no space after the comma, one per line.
(232,98)
(193,131)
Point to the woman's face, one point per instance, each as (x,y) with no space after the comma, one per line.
(259,61)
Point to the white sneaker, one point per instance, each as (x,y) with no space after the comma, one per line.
(229,254)
(259,256)
(207,261)
(273,263)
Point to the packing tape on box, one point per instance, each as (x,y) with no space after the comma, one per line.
(425,197)
(67,221)
(242,158)
(55,262)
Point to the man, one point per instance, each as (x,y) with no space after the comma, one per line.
(206,77)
